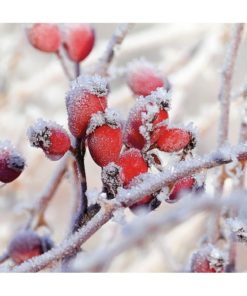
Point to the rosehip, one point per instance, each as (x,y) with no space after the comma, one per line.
(143,78)
(208,259)
(171,139)
(144,119)
(11,162)
(105,138)
(86,96)
(79,41)
(45,37)
(132,164)
(185,184)
(50,137)
(25,245)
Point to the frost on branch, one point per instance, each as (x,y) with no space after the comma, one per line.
(239,229)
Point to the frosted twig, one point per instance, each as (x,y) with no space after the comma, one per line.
(142,229)
(226,82)
(40,206)
(116,39)
(127,197)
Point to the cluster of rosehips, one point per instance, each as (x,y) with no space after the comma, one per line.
(123,149)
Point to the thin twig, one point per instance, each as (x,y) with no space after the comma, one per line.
(107,57)
(83,207)
(45,197)
(128,197)
(226,82)
(64,66)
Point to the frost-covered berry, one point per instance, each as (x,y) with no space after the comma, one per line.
(172,139)
(143,78)
(181,186)
(86,96)
(142,205)
(132,165)
(104,137)
(50,137)
(25,245)
(78,41)
(45,37)
(147,115)
(208,259)
(11,162)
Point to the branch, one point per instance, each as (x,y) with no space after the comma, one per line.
(116,40)
(226,82)
(127,197)
(64,66)
(39,208)
(145,227)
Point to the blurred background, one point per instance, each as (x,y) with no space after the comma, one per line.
(33,85)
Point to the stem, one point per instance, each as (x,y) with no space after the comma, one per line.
(128,197)
(64,66)
(83,207)
(77,70)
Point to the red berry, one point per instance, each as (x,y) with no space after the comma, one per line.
(208,259)
(45,37)
(25,245)
(50,137)
(105,144)
(171,140)
(143,120)
(185,184)
(11,163)
(132,164)
(86,96)
(143,78)
(79,41)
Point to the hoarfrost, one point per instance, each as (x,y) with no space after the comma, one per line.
(94,84)
(13,158)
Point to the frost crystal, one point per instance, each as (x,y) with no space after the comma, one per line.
(94,84)
(239,229)
(110,117)
(13,158)
(39,133)
(119,216)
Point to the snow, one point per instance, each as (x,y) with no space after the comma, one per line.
(93,84)
(14,159)
(110,117)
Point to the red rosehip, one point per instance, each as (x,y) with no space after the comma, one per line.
(86,96)
(132,164)
(45,37)
(208,259)
(144,118)
(50,137)
(183,185)
(171,139)
(105,144)
(25,245)
(11,162)
(79,41)
(143,78)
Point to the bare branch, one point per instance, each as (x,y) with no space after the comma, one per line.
(116,39)
(226,82)
(39,208)
(128,197)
